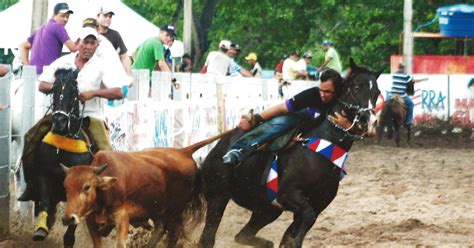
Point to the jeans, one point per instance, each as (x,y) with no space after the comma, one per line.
(267,131)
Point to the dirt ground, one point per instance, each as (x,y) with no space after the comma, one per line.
(418,195)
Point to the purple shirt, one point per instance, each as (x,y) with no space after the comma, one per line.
(47,44)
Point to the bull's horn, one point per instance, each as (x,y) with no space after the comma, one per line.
(100,169)
(64,167)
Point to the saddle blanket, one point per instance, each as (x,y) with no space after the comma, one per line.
(330,151)
(65,143)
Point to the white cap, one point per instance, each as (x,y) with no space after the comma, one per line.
(105,10)
(86,31)
(225,44)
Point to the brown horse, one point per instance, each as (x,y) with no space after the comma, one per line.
(393,116)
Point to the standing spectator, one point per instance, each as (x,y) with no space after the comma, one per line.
(46,43)
(331,58)
(149,55)
(235,69)
(279,66)
(107,52)
(104,19)
(187,65)
(289,69)
(256,69)
(302,64)
(3,70)
(218,62)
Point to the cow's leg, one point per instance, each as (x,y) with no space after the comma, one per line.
(215,210)
(157,233)
(93,231)
(292,199)
(122,223)
(257,221)
(42,229)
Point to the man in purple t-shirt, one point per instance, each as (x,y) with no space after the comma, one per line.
(46,43)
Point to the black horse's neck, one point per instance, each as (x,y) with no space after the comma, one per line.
(330,132)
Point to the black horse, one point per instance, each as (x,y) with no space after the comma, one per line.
(392,116)
(66,143)
(307,181)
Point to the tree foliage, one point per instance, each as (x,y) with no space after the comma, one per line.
(367,30)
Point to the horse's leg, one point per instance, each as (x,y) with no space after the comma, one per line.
(258,220)
(215,209)
(69,238)
(42,229)
(396,127)
(408,133)
(380,128)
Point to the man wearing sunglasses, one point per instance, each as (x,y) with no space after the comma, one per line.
(311,104)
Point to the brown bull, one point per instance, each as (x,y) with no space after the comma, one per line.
(122,188)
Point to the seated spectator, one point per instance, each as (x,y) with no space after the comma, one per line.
(279,66)
(187,65)
(235,69)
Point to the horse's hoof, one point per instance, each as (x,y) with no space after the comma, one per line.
(40,234)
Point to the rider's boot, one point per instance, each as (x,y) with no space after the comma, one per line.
(232,157)
(28,194)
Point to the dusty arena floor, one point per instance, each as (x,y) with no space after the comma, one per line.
(419,195)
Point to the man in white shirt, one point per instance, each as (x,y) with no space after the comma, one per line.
(96,79)
(217,62)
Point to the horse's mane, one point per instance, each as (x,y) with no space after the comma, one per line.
(65,75)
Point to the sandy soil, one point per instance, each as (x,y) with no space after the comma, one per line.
(419,195)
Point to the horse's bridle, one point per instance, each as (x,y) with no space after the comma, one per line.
(357,110)
(71,112)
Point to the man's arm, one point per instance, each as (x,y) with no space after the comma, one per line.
(245,72)
(24,52)
(419,80)
(248,122)
(71,46)
(127,63)
(112,93)
(45,87)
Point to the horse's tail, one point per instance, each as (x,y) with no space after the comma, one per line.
(194,147)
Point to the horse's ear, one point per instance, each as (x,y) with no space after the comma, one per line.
(75,73)
(379,72)
(352,64)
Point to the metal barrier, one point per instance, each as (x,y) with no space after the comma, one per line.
(5,138)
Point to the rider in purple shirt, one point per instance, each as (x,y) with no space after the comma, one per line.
(46,43)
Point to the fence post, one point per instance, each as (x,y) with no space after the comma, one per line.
(5,137)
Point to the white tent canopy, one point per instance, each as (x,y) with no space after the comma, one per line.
(134,29)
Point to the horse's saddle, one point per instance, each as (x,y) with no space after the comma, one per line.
(285,141)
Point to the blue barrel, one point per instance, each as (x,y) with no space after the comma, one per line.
(456,20)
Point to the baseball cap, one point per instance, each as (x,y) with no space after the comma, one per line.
(87,31)
(327,43)
(105,11)
(307,55)
(235,46)
(169,29)
(89,22)
(225,44)
(62,8)
(251,56)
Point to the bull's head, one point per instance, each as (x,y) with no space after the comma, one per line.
(82,184)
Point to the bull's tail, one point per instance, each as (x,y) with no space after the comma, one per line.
(196,209)
(194,147)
